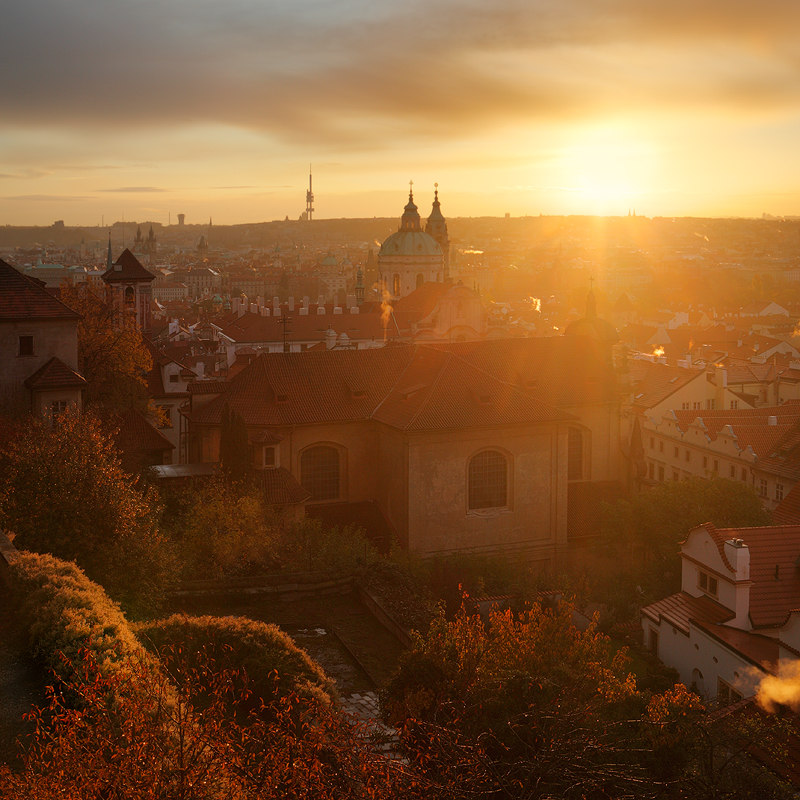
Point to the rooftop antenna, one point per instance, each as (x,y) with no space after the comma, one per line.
(309,197)
(285,320)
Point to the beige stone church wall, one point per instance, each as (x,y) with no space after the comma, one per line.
(439,519)
(603,423)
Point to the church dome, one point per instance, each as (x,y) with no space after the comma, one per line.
(410,243)
(593,326)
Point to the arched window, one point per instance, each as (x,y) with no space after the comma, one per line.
(396,284)
(129,296)
(420,280)
(487,480)
(319,472)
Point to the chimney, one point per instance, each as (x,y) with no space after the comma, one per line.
(330,338)
(291,303)
(337,309)
(253,308)
(264,312)
(738,554)
(772,421)
(305,302)
(276,305)
(234,307)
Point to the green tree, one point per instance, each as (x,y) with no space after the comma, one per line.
(660,518)
(64,492)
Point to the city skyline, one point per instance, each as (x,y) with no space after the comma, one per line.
(148,110)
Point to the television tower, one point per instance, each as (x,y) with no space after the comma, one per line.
(309,197)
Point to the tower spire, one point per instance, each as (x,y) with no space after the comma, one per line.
(309,197)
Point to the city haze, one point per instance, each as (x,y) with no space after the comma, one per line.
(147,110)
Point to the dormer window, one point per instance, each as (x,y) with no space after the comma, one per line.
(707,583)
(282,398)
(26,345)
(268,457)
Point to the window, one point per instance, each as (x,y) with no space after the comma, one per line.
(733,472)
(734,405)
(779,491)
(697,405)
(652,443)
(705,462)
(661,473)
(726,694)
(487,481)
(661,447)
(26,344)
(688,456)
(396,285)
(575,454)
(174,378)
(684,406)
(710,405)
(57,408)
(677,452)
(676,476)
(651,471)
(319,472)
(166,416)
(716,465)
(744,474)
(707,583)
(763,487)
(268,458)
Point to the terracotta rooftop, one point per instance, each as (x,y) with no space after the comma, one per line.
(679,609)
(127,268)
(560,370)
(281,488)
(788,510)
(406,386)
(22,298)
(306,327)
(137,435)
(762,651)
(54,374)
(651,383)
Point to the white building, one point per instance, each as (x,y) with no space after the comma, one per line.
(737,616)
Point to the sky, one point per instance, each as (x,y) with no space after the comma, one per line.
(143,109)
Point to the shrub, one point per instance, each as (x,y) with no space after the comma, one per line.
(271,664)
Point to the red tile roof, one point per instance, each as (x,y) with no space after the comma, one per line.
(560,370)
(788,510)
(679,609)
(651,383)
(127,268)
(411,387)
(136,435)
(281,488)
(54,374)
(22,298)
(773,595)
(307,327)
(762,651)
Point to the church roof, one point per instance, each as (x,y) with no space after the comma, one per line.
(410,243)
(127,268)
(405,386)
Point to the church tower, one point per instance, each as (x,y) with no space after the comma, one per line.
(436,226)
(150,246)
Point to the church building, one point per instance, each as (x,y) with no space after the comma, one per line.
(412,256)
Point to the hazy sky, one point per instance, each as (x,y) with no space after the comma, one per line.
(142,108)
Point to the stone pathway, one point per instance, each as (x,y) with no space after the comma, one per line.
(364,707)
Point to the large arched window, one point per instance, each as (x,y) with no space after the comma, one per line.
(487,480)
(396,285)
(319,472)
(420,280)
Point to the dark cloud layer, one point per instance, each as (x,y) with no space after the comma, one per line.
(355,71)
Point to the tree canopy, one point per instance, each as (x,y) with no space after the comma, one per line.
(63,491)
(660,518)
(112,355)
